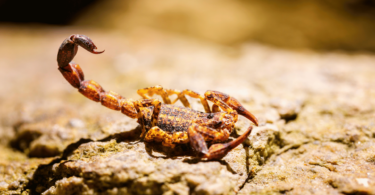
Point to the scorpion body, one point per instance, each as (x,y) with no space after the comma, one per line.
(163,122)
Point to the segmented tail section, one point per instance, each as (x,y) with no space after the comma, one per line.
(73,73)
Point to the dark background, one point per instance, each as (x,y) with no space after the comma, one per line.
(42,11)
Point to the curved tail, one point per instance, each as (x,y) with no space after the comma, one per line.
(73,73)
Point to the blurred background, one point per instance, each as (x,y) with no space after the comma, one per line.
(313,24)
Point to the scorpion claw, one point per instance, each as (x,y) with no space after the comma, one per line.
(218,151)
(233,103)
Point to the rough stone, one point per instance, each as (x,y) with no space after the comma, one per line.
(316,111)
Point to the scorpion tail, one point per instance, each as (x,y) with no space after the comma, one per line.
(73,73)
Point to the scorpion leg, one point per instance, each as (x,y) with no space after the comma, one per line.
(193,94)
(157,134)
(74,75)
(228,104)
(146,93)
(215,108)
(199,134)
(150,91)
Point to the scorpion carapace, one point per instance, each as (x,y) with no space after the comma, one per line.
(163,122)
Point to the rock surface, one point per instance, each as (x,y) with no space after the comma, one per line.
(317,132)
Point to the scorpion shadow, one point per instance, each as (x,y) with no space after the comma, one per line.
(181,151)
(157,150)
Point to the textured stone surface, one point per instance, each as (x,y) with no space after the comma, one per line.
(316,112)
(129,165)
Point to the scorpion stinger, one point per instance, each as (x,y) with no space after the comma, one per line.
(69,48)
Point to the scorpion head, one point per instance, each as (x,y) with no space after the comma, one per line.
(218,120)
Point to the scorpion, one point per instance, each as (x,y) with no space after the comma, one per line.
(163,121)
